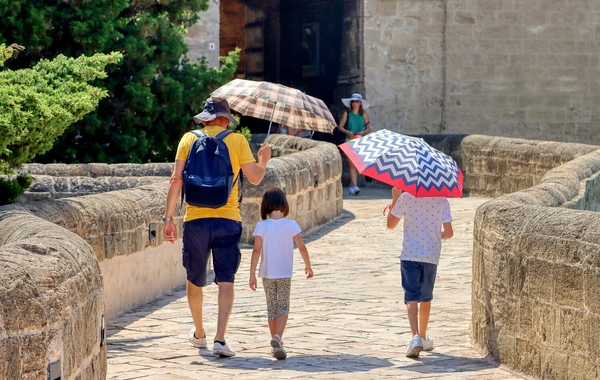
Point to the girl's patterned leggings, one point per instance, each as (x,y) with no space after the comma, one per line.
(277,291)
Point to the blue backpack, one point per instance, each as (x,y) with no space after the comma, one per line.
(208,175)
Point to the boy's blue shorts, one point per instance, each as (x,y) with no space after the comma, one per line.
(219,235)
(417,280)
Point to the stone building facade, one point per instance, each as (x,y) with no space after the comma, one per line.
(527,69)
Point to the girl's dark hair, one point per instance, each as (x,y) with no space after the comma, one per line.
(274,200)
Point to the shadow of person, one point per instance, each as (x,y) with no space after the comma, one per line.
(433,362)
(303,363)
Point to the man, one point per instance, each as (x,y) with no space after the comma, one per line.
(427,221)
(218,230)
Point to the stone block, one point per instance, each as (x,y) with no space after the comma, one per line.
(464,17)
(516,273)
(581,367)
(509,18)
(592,321)
(546,326)
(573,328)
(591,290)
(568,288)
(554,363)
(11,358)
(540,280)
(32,349)
(382,8)
(528,357)
(490,5)
(525,316)
(507,350)
(532,6)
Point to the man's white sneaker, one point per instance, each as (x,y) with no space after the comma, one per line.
(414,347)
(427,343)
(222,350)
(356,190)
(351,190)
(197,342)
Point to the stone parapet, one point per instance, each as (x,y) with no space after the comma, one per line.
(51,301)
(493,165)
(536,263)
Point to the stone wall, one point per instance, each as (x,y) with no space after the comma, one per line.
(527,69)
(51,301)
(497,165)
(536,270)
(202,38)
(54,181)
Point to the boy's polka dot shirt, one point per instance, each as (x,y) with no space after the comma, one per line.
(423,219)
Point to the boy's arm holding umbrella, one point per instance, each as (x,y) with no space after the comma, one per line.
(392,220)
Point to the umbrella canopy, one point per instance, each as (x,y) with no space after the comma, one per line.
(405,162)
(277,103)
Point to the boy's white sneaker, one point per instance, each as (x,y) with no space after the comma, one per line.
(197,342)
(415,346)
(427,343)
(222,350)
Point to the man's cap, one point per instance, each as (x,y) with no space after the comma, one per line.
(213,108)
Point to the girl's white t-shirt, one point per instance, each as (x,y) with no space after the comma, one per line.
(277,256)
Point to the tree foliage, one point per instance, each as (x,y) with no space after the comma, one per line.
(152,95)
(38,104)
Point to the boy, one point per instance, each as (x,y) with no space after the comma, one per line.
(421,247)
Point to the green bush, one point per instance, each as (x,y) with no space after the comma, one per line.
(152,95)
(12,188)
(38,104)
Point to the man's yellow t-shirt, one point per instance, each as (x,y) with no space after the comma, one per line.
(239,152)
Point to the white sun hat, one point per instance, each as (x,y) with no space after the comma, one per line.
(356,96)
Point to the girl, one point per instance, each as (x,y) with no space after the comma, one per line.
(274,239)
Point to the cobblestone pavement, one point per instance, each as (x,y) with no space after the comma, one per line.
(348,322)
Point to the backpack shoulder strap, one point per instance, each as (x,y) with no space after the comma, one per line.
(224,134)
(239,176)
(199,133)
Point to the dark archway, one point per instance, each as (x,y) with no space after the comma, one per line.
(311,44)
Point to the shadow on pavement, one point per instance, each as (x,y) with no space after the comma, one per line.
(441,363)
(305,363)
(318,232)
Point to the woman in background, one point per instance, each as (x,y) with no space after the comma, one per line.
(355,124)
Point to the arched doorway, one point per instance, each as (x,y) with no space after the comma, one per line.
(313,44)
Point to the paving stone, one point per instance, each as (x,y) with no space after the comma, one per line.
(348,322)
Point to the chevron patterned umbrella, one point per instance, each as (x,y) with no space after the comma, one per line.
(277,103)
(406,162)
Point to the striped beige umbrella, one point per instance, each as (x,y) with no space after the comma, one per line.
(277,103)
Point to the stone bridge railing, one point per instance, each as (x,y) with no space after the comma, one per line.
(536,252)
(69,263)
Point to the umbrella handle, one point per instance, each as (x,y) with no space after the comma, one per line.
(271,123)
(269,131)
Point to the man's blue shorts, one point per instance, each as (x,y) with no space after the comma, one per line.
(222,237)
(417,280)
